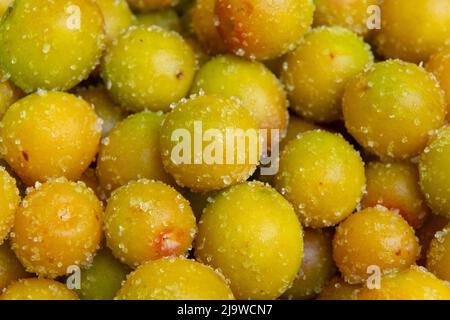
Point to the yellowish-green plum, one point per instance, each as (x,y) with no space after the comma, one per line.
(295,127)
(175,279)
(148,68)
(38,289)
(10,267)
(167,19)
(322,175)
(438,257)
(338,289)
(52,45)
(9,201)
(392,107)
(118,17)
(9,94)
(252,234)
(439,65)
(316,73)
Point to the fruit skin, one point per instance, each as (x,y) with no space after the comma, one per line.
(219,114)
(316,73)
(258,90)
(49,135)
(413,32)
(263,29)
(347,13)
(252,235)
(167,19)
(373,237)
(131,151)
(10,268)
(438,256)
(322,176)
(204,22)
(9,94)
(426,234)
(38,289)
(103,278)
(118,17)
(104,107)
(51,45)
(392,107)
(338,289)
(9,201)
(175,279)
(435,172)
(439,65)
(58,224)
(147,220)
(395,186)
(150,5)
(148,68)
(415,283)
(296,127)
(317,266)
(4,4)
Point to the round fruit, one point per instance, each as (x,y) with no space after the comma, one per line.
(296,127)
(258,90)
(338,289)
(204,24)
(167,19)
(53,45)
(146,221)
(317,266)
(373,237)
(9,201)
(209,143)
(9,94)
(148,68)
(317,72)
(106,109)
(322,176)
(438,257)
(10,268)
(58,224)
(131,151)
(392,107)
(396,187)
(263,29)
(175,279)
(426,234)
(413,32)
(415,283)
(103,278)
(118,17)
(49,135)
(253,236)
(439,65)
(435,172)
(353,15)
(149,5)
(38,289)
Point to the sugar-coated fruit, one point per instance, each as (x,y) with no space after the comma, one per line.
(295,127)
(49,135)
(439,65)
(148,68)
(373,237)
(10,267)
(102,279)
(263,29)
(435,172)
(350,14)
(338,289)
(415,283)
(438,255)
(149,5)
(392,107)
(58,224)
(38,289)
(251,233)
(147,220)
(104,106)
(258,90)
(131,151)
(175,279)
(9,201)
(167,19)
(316,73)
(230,156)
(9,94)
(317,266)
(395,185)
(413,32)
(322,175)
(426,234)
(52,45)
